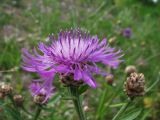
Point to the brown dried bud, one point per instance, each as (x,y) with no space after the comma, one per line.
(86,108)
(130,69)
(6,89)
(109,79)
(112,40)
(18,100)
(135,85)
(2,95)
(39,99)
(69,81)
(1,109)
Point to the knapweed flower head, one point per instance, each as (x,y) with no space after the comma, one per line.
(135,85)
(127,32)
(74,53)
(41,91)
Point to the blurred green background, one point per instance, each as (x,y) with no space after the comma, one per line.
(23,23)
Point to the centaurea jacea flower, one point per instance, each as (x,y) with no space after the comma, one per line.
(75,54)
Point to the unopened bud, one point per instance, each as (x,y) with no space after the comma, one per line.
(148,102)
(1,109)
(135,85)
(130,69)
(2,95)
(6,89)
(109,79)
(112,40)
(86,108)
(18,100)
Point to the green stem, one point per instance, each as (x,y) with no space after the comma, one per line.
(11,99)
(38,111)
(26,111)
(10,96)
(123,108)
(77,102)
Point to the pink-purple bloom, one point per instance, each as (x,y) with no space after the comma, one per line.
(127,32)
(37,89)
(73,53)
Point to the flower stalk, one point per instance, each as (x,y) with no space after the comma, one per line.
(77,102)
(38,111)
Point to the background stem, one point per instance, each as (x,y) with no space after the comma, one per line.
(123,108)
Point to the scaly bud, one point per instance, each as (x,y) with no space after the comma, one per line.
(109,79)
(6,89)
(18,100)
(135,84)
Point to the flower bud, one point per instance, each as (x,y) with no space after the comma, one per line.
(112,40)
(1,109)
(39,99)
(135,84)
(18,100)
(109,79)
(86,108)
(2,95)
(148,102)
(130,69)
(6,89)
(127,32)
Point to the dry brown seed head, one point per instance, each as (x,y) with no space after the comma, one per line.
(135,85)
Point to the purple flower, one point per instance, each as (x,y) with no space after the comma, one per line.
(127,32)
(41,89)
(73,53)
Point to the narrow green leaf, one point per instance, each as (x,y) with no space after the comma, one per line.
(145,114)
(54,99)
(154,84)
(117,105)
(15,114)
(131,115)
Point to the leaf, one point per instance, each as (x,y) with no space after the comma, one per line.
(154,84)
(54,99)
(82,89)
(131,115)
(14,113)
(1,102)
(117,105)
(48,109)
(145,114)
(69,98)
